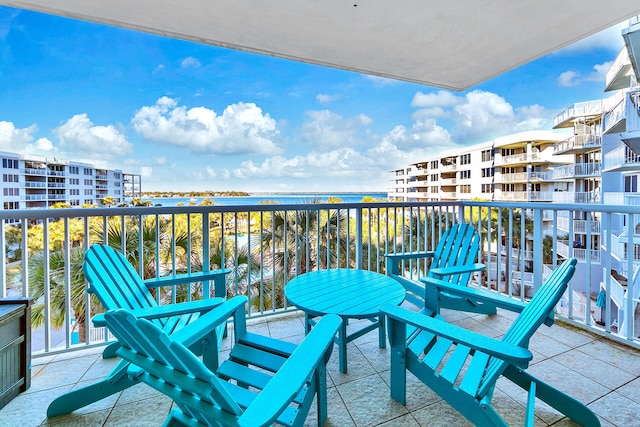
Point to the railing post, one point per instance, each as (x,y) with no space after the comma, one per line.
(206,265)
(538,260)
(359,237)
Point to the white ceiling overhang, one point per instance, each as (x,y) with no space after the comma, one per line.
(452,44)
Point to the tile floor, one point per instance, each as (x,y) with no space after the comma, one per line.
(591,368)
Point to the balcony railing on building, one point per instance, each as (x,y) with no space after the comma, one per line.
(267,245)
(519,158)
(577,169)
(578,143)
(620,158)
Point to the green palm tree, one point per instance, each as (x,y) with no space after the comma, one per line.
(58,309)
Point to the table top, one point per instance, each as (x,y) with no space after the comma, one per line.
(345,292)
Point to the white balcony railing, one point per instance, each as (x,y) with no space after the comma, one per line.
(579,109)
(296,238)
(620,157)
(575,142)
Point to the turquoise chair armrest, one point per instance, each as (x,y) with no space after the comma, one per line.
(474,294)
(441,272)
(502,350)
(169,310)
(400,256)
(286,383)
(179,279)
(192,332)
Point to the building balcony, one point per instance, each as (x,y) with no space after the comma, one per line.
(604,373)
(576,197)
(33,184)
(522,158)
(631,135)
(579,225)
(591,368)
(578,144)
(615,118)
(524,196)
(566,250)
(621,159)
(629,199)
(34,171)
(56,173)
(588,109)
(618,76)
(577,170)
(631,36)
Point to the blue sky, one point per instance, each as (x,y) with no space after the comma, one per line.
(194,117)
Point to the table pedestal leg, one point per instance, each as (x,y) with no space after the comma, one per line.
(307,323)
(342,347)
(382,328)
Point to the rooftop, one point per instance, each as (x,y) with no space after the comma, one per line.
(592,368)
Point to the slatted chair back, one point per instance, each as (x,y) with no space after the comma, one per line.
(173,369)
(458,246)
(114,281)
(530,319)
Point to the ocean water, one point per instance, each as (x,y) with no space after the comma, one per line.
(281,198)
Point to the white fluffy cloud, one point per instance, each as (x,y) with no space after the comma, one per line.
(79,134)
(12,138)
(441,98)
(242,128)
(325,129)
(574,78)
(475,117)
(341,162)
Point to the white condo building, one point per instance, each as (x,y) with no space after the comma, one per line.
(32,182)
(596,162)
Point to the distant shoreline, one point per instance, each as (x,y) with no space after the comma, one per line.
(200,194)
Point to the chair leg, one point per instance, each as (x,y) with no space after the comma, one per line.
(565,404)
(321,393)
(117,380)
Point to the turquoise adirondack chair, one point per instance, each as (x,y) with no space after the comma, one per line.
(454,260)
(117,285)
(264,381)
(463,366)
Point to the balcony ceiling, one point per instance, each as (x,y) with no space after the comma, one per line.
(449,44)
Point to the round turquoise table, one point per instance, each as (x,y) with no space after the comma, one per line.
(351,294)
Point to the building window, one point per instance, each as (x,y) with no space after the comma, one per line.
(8,177)
(11,191)
(11,205)
(465,159)
(434,177)
(10,163)
(434,164)
(487,155)
(487,188)
(88,171)
(74,170)
(631,184)
(465,174)
(434,189)
(74,181)
(487,172)
(88,192)
(466,189)
(88,182)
